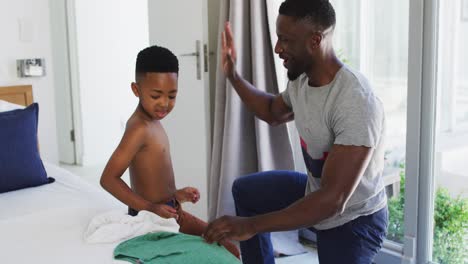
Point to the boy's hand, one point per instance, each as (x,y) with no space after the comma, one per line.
(187,194)
(164,211)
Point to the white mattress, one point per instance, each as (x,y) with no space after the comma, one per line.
(46,224)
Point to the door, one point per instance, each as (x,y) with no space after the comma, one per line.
(180,26)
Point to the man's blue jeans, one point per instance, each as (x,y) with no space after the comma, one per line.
(356,242)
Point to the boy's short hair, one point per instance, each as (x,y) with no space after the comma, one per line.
(156,59)
(317,12)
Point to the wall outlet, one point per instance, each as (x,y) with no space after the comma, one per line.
(31,67)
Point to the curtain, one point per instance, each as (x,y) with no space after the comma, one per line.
(243,144)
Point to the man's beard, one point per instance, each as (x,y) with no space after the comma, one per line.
(293,75)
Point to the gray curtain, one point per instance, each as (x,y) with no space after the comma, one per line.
(243,144)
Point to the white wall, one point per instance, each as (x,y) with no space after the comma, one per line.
(110,33)
(37,45)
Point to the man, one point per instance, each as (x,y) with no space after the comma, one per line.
(341,124)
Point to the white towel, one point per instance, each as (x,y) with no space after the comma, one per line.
(117,226)
(286,243)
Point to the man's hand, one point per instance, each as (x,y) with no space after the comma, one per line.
(228,53)
(164,211)
(187,194)
(230,227)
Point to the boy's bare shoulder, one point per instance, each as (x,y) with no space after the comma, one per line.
(136,127)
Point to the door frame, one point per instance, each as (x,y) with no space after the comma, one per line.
(63,11)
(422,84)
(428,95)
(74,79)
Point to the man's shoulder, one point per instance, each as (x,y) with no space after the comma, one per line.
(354,91)
(354,79)
(353,85)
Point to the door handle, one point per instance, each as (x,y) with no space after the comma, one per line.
(197,55)
(205,56)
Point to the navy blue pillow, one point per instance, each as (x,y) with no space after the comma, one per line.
(20,163)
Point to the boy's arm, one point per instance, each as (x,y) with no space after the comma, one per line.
(112,182)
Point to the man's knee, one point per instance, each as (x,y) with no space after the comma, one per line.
(242,188)
(237,188)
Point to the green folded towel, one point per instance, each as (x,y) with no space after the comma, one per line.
(173,248)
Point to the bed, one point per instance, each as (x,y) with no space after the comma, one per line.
(45,224)
(47,213)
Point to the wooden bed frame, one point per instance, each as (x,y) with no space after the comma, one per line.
(20,94)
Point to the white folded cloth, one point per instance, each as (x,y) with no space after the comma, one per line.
(286,243)
(117,226)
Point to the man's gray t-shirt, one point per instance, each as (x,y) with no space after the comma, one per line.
(344,112)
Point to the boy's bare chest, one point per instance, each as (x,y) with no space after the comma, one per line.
(157,143)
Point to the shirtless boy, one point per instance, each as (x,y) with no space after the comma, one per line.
(144,148)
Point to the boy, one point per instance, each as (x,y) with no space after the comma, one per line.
(144,148)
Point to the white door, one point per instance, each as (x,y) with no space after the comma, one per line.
(179,25)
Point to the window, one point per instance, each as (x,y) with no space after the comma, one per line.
(450,192)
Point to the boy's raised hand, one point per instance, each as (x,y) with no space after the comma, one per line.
(187,194)
(164,211)
(228,51)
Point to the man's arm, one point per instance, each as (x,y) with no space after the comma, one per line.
(120,160)
(268,107)
(341,174)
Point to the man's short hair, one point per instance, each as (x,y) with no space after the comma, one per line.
(318,12)
(156,59)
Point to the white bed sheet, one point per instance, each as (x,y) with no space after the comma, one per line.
(46,224)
